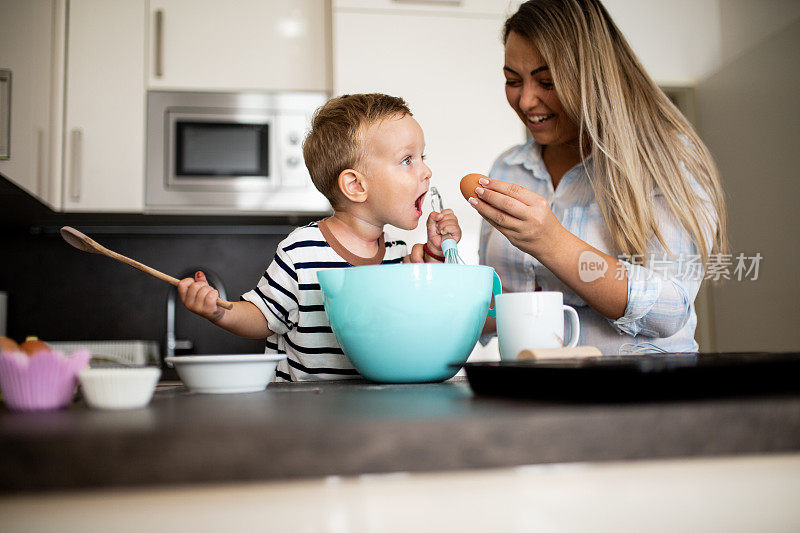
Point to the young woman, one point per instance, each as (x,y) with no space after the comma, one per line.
(616,202)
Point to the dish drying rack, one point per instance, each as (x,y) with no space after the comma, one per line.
(135,353)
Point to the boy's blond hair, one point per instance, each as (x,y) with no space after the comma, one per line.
(336,140)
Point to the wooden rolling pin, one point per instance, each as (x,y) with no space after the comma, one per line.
(577,352)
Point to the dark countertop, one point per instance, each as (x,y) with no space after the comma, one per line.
(294,431)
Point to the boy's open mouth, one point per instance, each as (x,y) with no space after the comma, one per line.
(418,203)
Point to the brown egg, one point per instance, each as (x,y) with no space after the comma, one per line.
(468,184)
(8,345)
(33,345)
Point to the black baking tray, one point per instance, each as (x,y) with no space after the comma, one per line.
(639,377)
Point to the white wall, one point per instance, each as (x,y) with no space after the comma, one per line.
(740,55)
(682,42)
(750,118)
(746,24)
(677,41)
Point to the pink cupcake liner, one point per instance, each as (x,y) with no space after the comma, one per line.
(45,381)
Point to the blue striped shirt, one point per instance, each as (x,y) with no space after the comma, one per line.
(289,296)
(660,310)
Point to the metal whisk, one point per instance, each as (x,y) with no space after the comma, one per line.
(449,246)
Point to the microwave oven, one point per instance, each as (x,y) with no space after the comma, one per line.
(230,153)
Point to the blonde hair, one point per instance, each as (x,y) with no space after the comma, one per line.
(639,140)
(336,139)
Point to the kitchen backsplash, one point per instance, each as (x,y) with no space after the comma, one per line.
(60,293)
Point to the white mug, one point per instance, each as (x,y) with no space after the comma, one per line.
(533,320)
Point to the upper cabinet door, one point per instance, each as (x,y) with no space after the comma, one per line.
(30,48)
(104,123)
(447,7)
(242,45)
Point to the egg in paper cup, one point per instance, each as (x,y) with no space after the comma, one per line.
(47,380)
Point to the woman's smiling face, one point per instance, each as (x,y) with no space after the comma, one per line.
(531,93)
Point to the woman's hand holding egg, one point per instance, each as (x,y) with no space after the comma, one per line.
(523,216)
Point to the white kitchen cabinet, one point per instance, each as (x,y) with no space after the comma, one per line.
(448,68)
(242,45)
(439,7)
(104,111)
(31,50)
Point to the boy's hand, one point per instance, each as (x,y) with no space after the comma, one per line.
(440,224)
(417,255)
(200,298)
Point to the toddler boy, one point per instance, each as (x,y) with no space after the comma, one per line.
(365,154)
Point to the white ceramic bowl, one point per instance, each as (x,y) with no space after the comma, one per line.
(221,374)
(118,388)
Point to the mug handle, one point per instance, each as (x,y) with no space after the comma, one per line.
(574,328)
(497,289)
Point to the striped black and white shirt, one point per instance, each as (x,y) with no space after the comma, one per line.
(290,297)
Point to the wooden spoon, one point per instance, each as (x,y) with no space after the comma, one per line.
(82,242)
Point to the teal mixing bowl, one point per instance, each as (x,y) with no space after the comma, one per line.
(408,323)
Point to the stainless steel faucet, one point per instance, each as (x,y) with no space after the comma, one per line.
(184,344)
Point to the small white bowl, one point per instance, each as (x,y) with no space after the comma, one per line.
(222,374)
(118,388)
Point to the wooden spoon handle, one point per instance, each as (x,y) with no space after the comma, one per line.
(82,242)
(144,268)
(155,273)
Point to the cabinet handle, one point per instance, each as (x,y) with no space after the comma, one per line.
(451,3)
(159,44)
(5,113)
(75,169)
(40,152)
